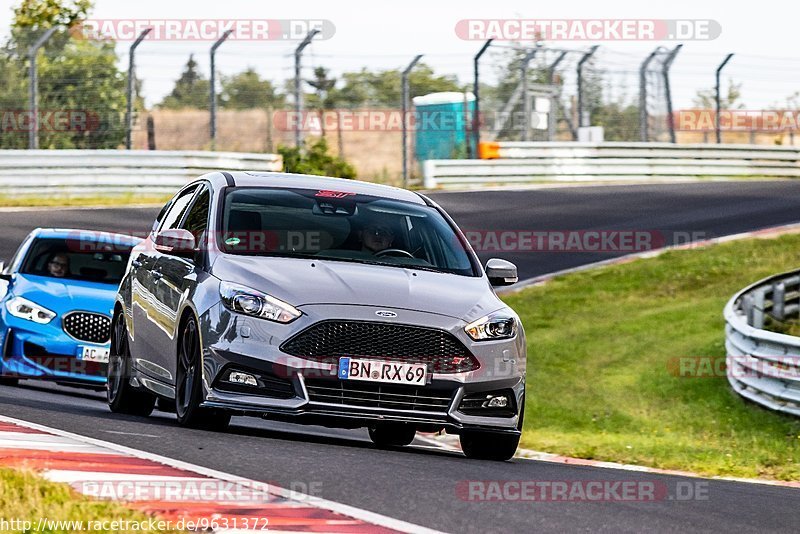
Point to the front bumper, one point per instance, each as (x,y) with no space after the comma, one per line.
(299,389)
(45,352)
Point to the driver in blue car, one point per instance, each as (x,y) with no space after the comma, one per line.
(58,266)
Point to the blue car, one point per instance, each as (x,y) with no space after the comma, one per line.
(56,297)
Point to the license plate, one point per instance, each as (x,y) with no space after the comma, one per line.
(93,354)
(387,372)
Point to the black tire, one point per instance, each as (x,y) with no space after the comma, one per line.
(392,434)
(122,396)
(165,405)
(8,381)
(489,445)
(494,446)
(189,385)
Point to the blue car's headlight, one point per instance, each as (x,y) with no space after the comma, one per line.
(248,301)
(494,326)
(29,310)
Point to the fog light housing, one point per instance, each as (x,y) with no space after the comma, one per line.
(499,401)
(236,377)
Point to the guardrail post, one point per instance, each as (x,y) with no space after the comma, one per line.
(758,309)
(778,300)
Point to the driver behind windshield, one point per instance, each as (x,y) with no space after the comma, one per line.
(375,237)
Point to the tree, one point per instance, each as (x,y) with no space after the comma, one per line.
(705,99)
(247,90)
(382,88)
(315,160)
(191,89)
(78,77)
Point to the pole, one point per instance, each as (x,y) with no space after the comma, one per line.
(476,120)
(526,102)
(717,98)
(298,90)
(665,70)
(643,118)
(405,116)
(213,91)
(584,59)
(33,80)
(555,98)
(131,78)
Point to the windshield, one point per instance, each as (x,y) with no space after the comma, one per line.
(340,226)
(75,259)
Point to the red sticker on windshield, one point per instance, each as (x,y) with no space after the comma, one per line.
(325,193)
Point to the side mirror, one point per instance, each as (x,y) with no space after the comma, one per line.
(501,272)
(3,275)
(177,242)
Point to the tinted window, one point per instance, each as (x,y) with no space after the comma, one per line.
(173,218)
(197,219)
(77,259)
(340,226)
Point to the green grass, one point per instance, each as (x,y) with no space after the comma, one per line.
(600,345)
(26,496)
(95,200)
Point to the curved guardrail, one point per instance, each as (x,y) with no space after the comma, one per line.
(35,172)
(764,365)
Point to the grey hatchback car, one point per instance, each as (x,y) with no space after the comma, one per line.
(321,301)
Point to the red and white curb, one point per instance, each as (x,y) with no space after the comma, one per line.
(173,490)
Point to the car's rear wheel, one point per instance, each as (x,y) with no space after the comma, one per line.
(392,434)
(122,396)
(189,387)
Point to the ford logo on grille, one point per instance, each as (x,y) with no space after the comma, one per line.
(384,313)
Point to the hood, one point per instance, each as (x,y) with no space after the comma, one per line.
(304,282)
(63,296)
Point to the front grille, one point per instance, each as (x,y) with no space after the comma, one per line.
(88,327)
(387,396)
(328,341)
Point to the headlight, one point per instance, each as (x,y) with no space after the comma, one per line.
(30,311)
(248,301)
(494,326)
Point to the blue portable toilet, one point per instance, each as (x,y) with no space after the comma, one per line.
(443,125)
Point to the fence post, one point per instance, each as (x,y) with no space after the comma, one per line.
(298,90)
(404,83)
(643,118)
(131,79)
(526,101)
(213,96)
(583,60)
(476,120)
(717,98)
(665,71)
(33,87)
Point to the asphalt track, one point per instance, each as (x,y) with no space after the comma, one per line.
(422,484)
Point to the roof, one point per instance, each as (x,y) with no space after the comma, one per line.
(305,181)
(87,235)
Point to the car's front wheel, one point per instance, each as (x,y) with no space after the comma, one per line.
(122,396)
(492,445)
(392,434)
(189,386)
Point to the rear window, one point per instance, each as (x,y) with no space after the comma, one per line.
(77,259)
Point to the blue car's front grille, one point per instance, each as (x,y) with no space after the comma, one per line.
(88,327)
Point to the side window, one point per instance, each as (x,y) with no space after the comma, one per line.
(173,217)
(197,219)
(161,214)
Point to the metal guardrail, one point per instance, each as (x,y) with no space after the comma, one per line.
(75,172)
(520,162)
(762,365)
